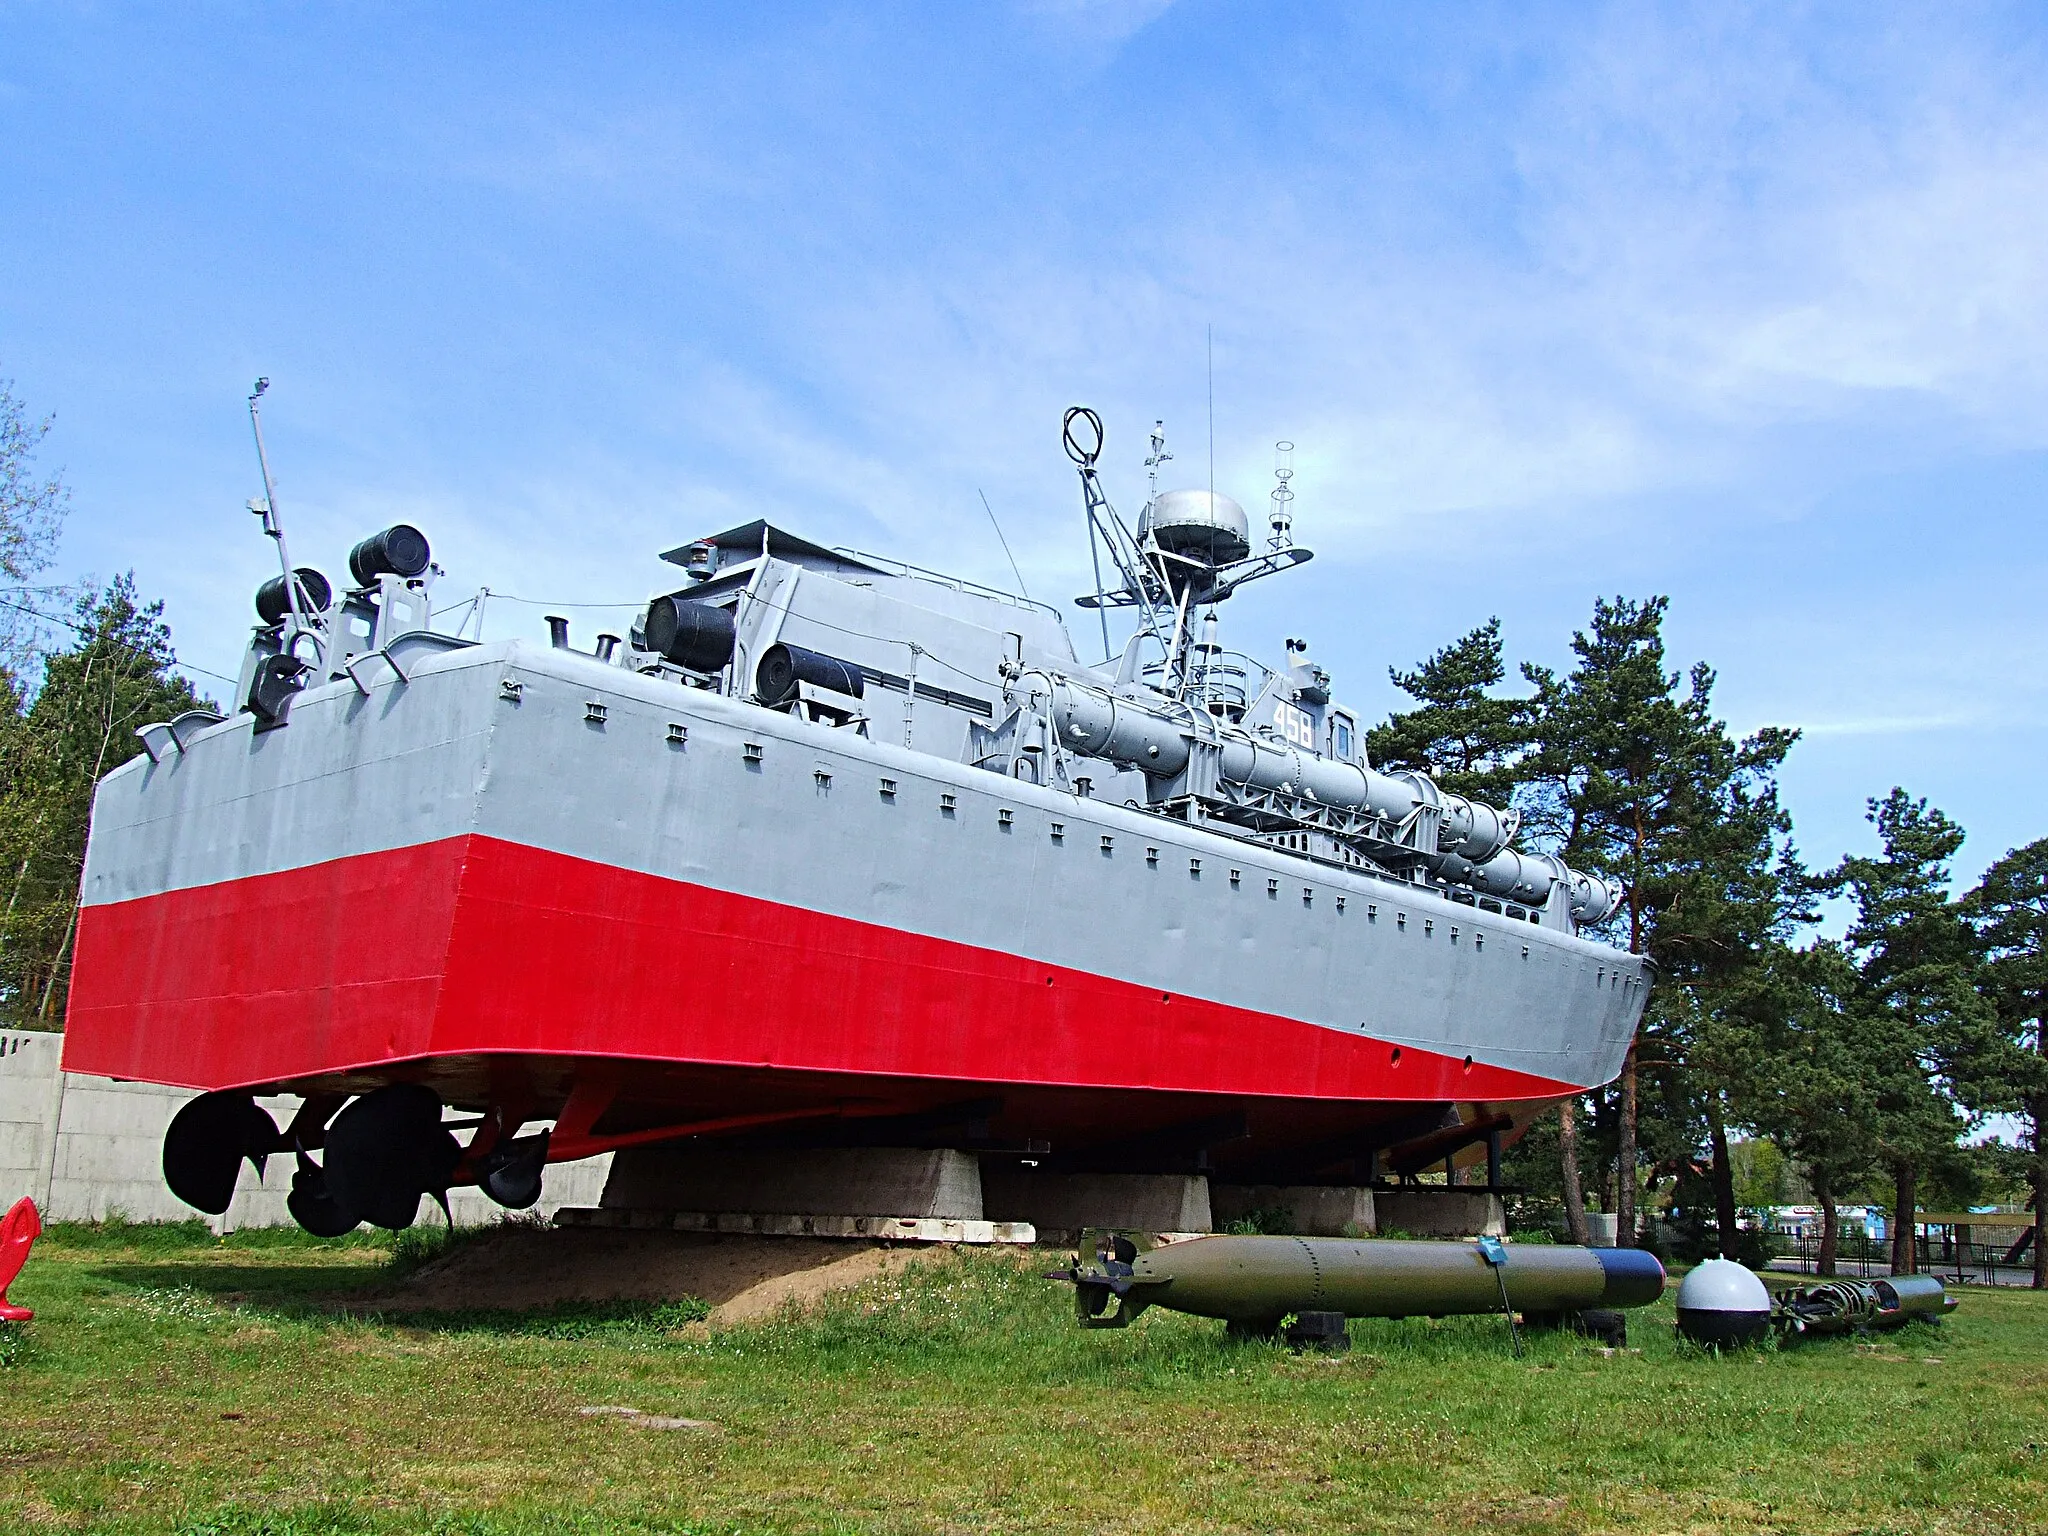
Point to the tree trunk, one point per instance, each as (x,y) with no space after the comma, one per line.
(63,952)
(21,874)
(1830,1223)
(1905,1251)
(1625,1159)
(2038,1113)
(1568,1159)
(1724,1179)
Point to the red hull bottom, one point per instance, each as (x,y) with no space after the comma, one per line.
(502,974)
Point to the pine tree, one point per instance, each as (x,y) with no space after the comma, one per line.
(1470,740)
(1923,1020)
(2009,911)
(1806,1079)
(79,727)
(1633,776)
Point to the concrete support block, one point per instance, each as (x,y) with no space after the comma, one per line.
(1447,1212)
(880,1181)
(1313,1210)
(894,1229)
(1061,1204)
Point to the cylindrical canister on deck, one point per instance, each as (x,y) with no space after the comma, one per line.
(699,636)
(784,666)
(273,604)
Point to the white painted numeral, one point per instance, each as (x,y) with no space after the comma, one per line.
(1296,726)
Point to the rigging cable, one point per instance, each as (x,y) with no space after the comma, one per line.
(80,629)
(1004,542)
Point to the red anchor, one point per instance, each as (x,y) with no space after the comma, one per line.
(18,1233)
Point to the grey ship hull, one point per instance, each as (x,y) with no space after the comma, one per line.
(521,872)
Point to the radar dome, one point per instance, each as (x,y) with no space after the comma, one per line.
(1205,525)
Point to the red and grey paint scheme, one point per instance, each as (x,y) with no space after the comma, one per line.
(521,868)
(633,900)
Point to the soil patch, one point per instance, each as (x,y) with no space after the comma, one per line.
(739,1277)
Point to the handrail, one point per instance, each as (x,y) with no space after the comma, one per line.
(958,583)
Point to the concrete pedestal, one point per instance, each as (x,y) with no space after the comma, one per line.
(838,1181)
(1447,1212)
(1313,1210)
(1059,1205)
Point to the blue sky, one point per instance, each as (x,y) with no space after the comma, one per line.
(1746,306)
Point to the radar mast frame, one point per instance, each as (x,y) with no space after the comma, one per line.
(1165,585)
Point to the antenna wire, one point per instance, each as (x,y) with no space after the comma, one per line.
(1004,542)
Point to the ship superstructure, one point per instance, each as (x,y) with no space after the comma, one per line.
(828,849)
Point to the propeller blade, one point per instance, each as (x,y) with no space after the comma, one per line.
(312,1203)
(205,1145)
(386,1150)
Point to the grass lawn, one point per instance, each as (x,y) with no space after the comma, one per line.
(171,1382)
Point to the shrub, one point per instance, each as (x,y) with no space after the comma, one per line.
(1755,1247)
(1267,1221)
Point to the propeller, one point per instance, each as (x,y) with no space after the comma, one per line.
(388,1148)
(312,1203)
(205,1145)
(511,1171)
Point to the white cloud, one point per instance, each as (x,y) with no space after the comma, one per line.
(1718,242)
(1616,289)
(1888,725)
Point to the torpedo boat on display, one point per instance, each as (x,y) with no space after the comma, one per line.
(829,850)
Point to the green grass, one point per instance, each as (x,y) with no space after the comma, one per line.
(175,1383)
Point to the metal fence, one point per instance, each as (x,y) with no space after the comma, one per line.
(1941,1251)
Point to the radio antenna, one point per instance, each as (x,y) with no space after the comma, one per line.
(1159,455)
(1004,542)
(1212,416)
(267,510)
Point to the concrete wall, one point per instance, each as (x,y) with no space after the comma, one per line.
(28,1103)
(86,1148)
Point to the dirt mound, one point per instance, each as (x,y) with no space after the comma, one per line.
(515,1269)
